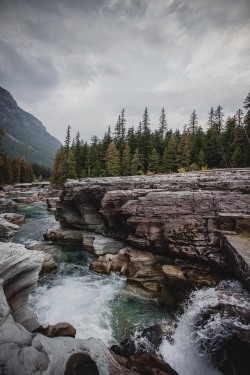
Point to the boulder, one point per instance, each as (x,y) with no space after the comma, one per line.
(59,329)
(63,234)
(7,205)
(147,364)
(7,229)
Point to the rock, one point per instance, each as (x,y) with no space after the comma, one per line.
(13,218)
(100,244)
(51,204)
(19,269)
(140,267)
(148,341)
(222,329)
(48,264)
(7,205)
(7,230)
(179,215)
(62,234)
(80,363)
(147,364)
(170,284)
(59,329)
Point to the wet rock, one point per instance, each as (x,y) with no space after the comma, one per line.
(7,205)
(148,364)
(48,264)
(7,229)
(59,329)
(13,218)
(140,267)
(79,364)
(100,244)
(63,234)
(148,341)
(222,329)
(51,204)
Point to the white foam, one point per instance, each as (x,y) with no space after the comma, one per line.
(82,301)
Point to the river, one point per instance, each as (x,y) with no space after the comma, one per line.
(97,305)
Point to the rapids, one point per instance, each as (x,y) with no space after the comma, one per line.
(99,306)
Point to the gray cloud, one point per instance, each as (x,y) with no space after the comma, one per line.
(82,61)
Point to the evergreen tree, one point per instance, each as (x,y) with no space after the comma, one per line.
(169,156)
(154,161)
(136,163)
(126,161)
(183,157)
(112,160)
(193,123)
(163,124)
(210,122)
(218,118)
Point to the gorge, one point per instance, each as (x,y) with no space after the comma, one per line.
(168,236)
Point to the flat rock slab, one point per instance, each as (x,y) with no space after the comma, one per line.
(241,243)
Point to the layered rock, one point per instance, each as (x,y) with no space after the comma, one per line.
(177,214)
(164,281)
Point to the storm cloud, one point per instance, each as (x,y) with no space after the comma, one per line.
(80,62)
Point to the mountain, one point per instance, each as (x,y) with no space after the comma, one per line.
(25,135)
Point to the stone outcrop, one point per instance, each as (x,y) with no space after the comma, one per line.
(177,214)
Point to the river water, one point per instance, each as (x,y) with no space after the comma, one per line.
(97,305)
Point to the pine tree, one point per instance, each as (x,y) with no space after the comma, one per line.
(112,160)
(136,163)
(126,161)
(163,123)
(183,157)
(169,156)
(218,118)
(193,123)
(210,122)
(154,161)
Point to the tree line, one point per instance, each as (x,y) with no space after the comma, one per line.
(18,170)
(130,151)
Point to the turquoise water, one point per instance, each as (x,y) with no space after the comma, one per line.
(95,304)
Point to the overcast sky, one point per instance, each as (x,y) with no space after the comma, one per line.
(79,62)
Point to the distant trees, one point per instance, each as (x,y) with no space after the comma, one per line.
(225,143)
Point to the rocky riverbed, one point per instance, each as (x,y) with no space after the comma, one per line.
(167,235)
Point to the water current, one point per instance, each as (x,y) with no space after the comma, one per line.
(98,306)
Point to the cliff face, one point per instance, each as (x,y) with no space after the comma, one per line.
(178,214)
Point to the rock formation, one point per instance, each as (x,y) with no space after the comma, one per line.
(177,214)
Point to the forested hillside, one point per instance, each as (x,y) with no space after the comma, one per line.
(24,134)
(220,143)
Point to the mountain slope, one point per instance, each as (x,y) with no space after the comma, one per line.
(25,135)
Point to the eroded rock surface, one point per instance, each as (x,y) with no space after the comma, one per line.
(177,214)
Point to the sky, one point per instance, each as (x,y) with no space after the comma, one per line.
(80,62)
